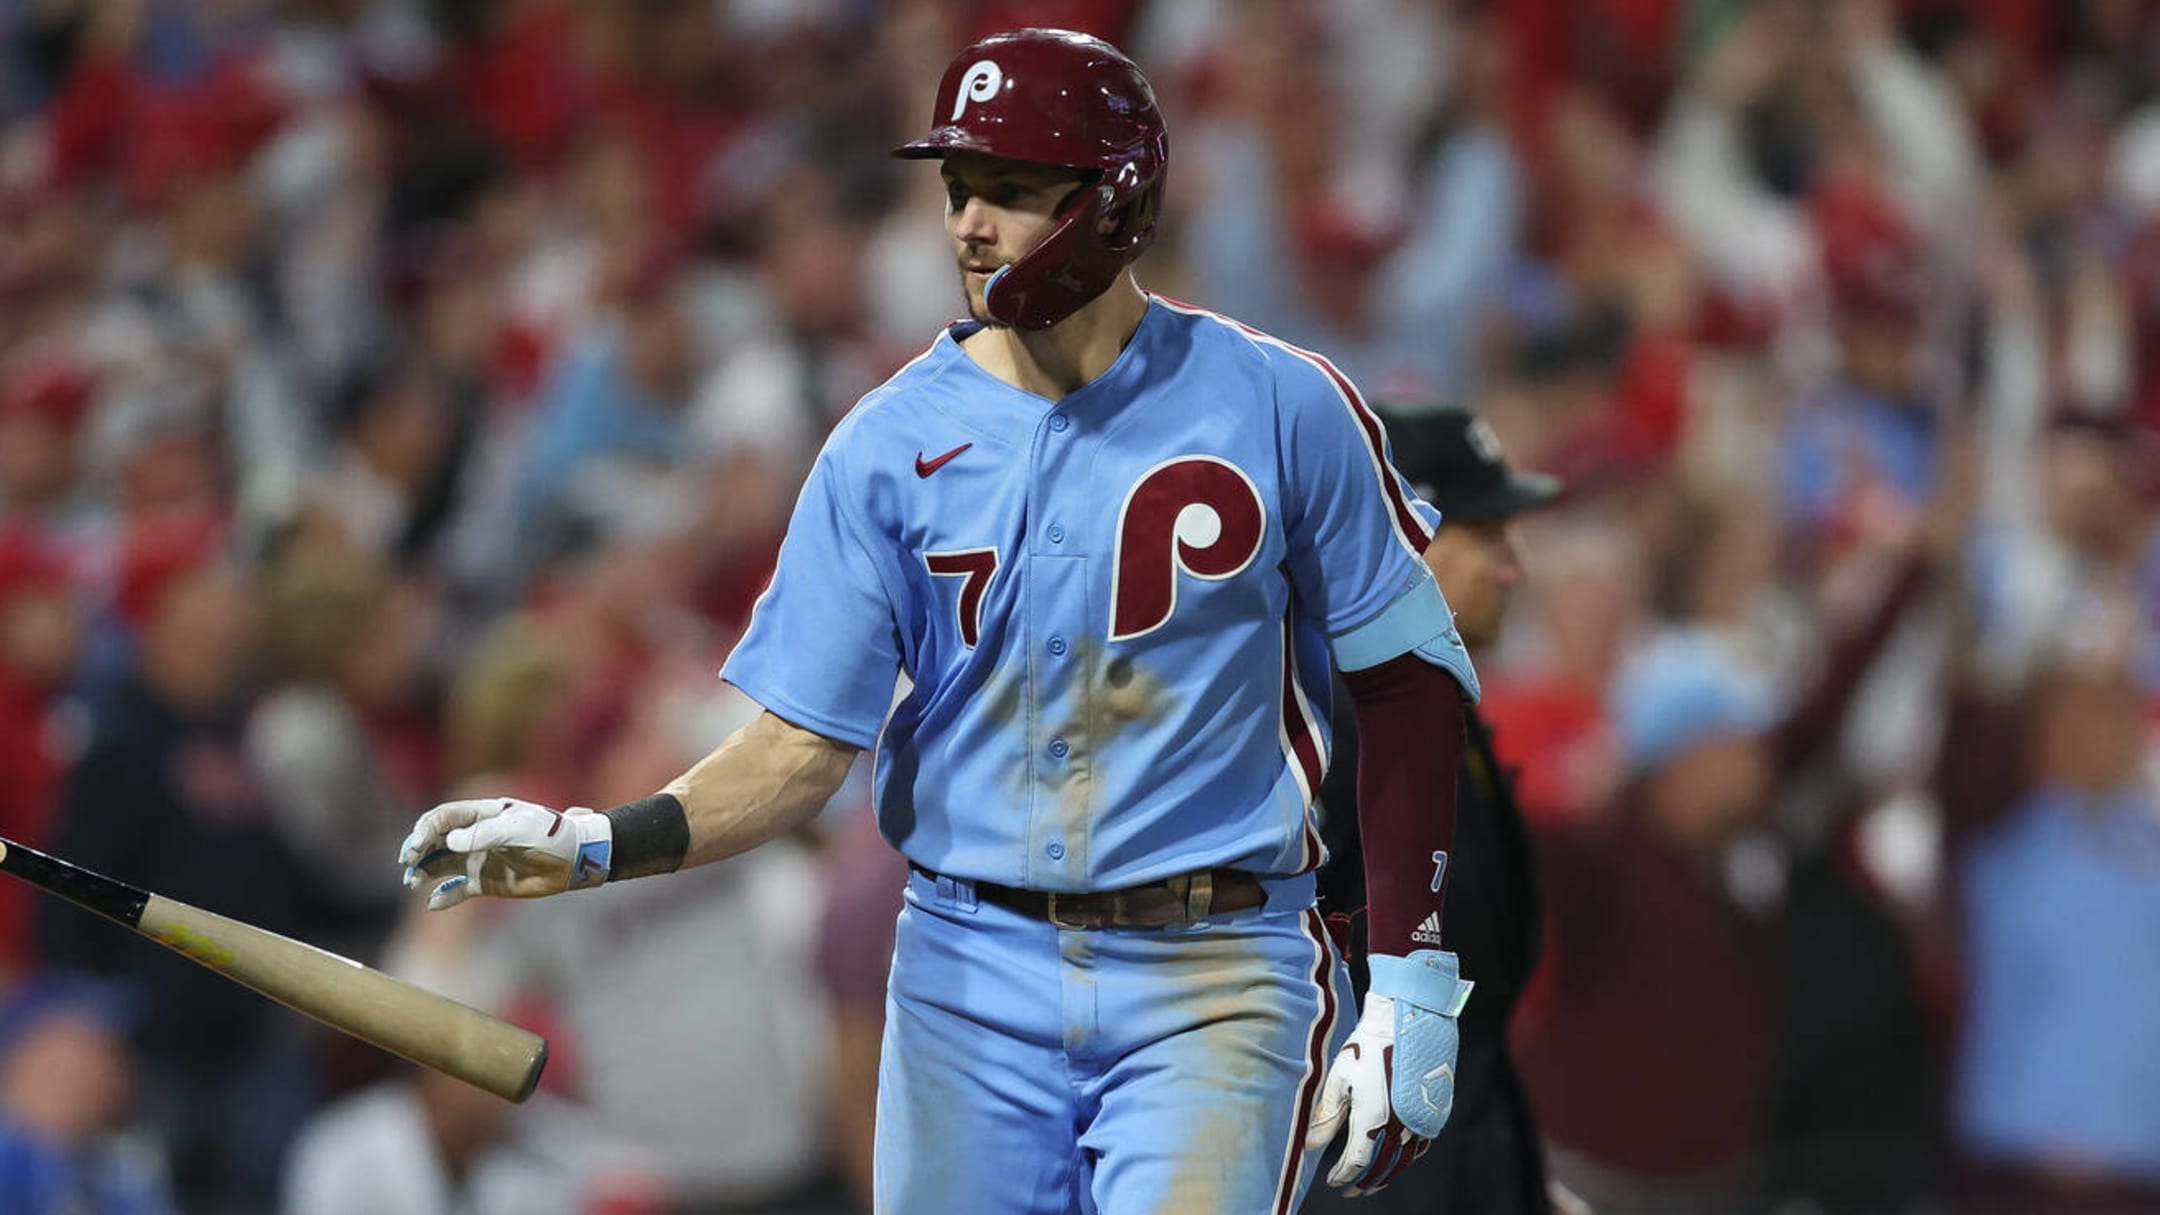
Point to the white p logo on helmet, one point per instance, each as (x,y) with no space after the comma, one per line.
(981,83)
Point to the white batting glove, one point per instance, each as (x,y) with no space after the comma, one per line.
(1356,1092)
(1393,1082)
(505,847)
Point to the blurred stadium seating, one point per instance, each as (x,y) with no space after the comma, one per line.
(400,397)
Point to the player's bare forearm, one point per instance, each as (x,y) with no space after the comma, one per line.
(767,779)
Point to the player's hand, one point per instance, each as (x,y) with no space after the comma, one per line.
(1357,1092)
(506,847)
(1393,1083)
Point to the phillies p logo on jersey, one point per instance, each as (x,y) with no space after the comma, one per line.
(1194,515)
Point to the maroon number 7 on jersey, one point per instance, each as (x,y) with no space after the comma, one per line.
(975,567)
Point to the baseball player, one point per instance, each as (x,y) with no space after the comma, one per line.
(1114,544)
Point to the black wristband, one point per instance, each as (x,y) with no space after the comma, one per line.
(652,835)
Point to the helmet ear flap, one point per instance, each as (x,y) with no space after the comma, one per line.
(1100,230)
(1128,210)
(1058,275)
(1131,228)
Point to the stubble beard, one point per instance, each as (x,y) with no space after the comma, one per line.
(978,303)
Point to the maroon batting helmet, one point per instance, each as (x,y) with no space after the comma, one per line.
(1055,97)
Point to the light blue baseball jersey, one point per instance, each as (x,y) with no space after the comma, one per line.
(1117,610)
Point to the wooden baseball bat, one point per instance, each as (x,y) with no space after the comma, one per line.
(431,1030)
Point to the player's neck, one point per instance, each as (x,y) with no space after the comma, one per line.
(1068,355)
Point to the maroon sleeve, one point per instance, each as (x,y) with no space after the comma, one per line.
(1410,750)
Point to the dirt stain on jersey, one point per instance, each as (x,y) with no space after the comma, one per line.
(1111,695)
(1004,710)
(1125,694)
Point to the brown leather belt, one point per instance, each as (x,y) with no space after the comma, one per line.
(1188,898)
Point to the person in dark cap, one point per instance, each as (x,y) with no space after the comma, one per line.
(1489,1158)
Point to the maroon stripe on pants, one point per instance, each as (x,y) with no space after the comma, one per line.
(1316,1060)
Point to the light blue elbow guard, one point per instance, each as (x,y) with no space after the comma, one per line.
(1448,653)
(1418,622)
(1428,994)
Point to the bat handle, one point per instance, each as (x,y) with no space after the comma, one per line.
(112,899)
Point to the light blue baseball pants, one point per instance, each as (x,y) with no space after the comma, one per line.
(1034,1070)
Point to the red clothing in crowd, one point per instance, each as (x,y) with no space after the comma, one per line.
(111,117)
(533,90)
(29,783)
(30,756)
(522,84)
(1553,735)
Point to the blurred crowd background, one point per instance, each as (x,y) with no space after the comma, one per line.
(404,398)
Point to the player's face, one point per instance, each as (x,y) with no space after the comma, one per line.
(1476,564)
(995,211)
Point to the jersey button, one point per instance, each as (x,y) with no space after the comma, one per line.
(1058,422)
(1058,748)
(1057,646)
(1056,533)
(1054,850)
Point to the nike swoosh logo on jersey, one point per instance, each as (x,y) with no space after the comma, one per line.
(924,468)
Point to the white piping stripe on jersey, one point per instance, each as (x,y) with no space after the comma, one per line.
(1316,1060)
(774,576)
(1368,424)
(1308,782)
(1304,706)
(1311,849)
